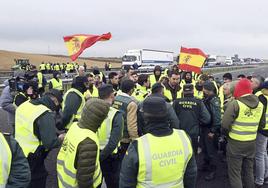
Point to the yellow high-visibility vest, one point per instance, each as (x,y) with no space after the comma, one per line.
(5,161)
(245,126)
(57,67)
(66,158)
(94,94)
(24,129)
(168,94)
(42,67)
(40,79)
(140,93)
(56,84)
(157,162)
(104,130)
(153,79)
(76,116)
(48,66)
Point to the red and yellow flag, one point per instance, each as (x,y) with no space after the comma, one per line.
(76,44)
(191,59)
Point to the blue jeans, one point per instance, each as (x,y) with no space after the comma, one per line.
(261,159)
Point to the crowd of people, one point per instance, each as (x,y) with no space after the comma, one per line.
(135,130)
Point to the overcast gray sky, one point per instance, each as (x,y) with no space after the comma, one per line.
(223,27)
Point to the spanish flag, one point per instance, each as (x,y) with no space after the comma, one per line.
(76,44)
(191,59)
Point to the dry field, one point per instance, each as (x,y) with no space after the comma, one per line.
(7,60)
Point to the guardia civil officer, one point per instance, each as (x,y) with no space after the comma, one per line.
(191,112)
(109,134)
(163,157)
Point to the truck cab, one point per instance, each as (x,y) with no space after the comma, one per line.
(132,57)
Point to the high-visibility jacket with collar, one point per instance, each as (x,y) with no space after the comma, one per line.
(245,126)
(40,79)
(42,67)
(76,116)
(94,94)
(5,160)
(168,94)
(140,93)
(24,129)
(56,84)
(67,156)
(104,131)
(157,162)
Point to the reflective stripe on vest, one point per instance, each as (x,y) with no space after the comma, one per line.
(156,161)
(79,111)
(5,161)
(246,124)
(104,130)
(26,114)
(56,84)
(67,156)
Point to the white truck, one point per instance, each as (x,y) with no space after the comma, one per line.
(148,59)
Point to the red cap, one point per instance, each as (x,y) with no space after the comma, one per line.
(243,87)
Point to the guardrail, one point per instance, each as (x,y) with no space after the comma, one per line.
(68,80)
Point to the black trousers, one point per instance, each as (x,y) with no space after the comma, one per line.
(110,168)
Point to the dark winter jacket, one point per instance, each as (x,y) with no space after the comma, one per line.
(172,118)
(20,173)
(45,125)
(72,104)
(213,106)
(191,112)
(94,112)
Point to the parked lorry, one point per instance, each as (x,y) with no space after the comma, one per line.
(147,58)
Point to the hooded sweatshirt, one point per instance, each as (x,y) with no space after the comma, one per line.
(94,112)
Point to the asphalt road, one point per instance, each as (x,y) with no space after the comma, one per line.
(221,180)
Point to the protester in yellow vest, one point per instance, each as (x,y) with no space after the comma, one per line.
(163,157)
(92,91)
(42,67)
(73,102)
(142,88)
(56,67)
(78,160)
(172,86)
(36,134)
(109,134)
(241,120)
(14,170)
(156,76)
(56,82)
